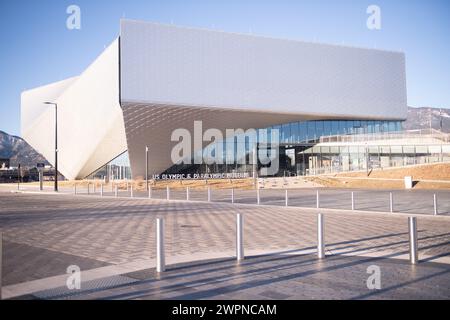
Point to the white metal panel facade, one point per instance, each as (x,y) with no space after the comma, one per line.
(165,64)
(91,131)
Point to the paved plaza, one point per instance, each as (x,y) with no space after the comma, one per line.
(44,234)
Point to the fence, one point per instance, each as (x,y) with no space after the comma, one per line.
(256,197)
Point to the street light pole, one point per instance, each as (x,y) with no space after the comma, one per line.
(56,143)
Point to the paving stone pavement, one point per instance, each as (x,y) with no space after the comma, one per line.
(94,231)
(272,277)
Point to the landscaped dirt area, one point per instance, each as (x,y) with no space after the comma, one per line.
(433,176)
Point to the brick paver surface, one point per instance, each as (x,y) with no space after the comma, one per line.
(93,231)
(278,277)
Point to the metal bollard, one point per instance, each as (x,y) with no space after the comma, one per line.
(391,202)
(239,237)
(88,188)
(286,199)
(128,187)
(232,195)
(150,192)
(131,192)
(94,188)
(75,188)
(320,236)
(188,196)
(160,257)
(413,247)
(435,204)
(258,197)
(209,194)
(167,193)
(101,190)
(353,201)
(116,192)
(317,199)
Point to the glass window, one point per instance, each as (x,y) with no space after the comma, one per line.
(303,131)
(311,129)
(363,126)
(392,126)
(327,128)
(335,127)
(342,127)
(319,129)
(370,127)
(285,133)
(294,132)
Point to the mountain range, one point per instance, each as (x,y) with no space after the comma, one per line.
(19,151)
(424,118)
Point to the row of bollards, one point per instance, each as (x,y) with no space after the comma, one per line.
(160,250)
(160,255)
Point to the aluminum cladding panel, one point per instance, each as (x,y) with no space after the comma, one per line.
(192,67)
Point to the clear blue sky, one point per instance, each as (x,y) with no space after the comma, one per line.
(37,48)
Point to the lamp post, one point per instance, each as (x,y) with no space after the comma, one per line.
(56,143)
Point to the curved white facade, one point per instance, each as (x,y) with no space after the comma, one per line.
(157,78)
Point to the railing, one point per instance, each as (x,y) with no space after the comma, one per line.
(421,134)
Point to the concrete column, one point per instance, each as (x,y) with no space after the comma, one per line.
(286,198)
(167,193)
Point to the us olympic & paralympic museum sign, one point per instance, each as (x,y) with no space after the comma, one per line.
(201,176)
